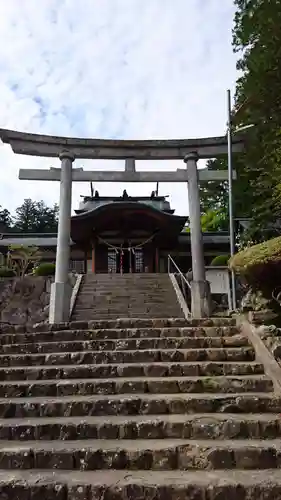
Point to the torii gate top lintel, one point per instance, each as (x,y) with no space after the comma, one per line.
(166,149)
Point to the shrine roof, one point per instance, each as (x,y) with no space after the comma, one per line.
(126,213)
(91,203)
(50,239)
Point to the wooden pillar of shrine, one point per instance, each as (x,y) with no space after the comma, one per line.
(156,260)
(93,258)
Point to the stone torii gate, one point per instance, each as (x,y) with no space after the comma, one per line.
(68,149)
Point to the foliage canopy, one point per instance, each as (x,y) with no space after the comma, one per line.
(257,191)
(31,217)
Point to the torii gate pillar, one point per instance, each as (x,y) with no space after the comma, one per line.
(61,288)
(200,288)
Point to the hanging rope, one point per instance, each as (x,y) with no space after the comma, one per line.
(121,260)
(121,248)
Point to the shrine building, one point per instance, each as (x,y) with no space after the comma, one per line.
(127,234)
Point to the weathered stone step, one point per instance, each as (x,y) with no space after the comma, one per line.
(92,315)
(117,324)
(199,426)
(126,344)
(138,278)
(133,311)
(119,285)
(144,323)
(97,303)
(85,306)
(148,485)
(118,293)
(113,333)
(139,404)
(158,295)
(123,323)
(127,356)
(132,300)
(174,454)
(123,289)
(136,292)
(132,294)
(160,369)
(109,312)
(130,278)
(140,385)
(131,284)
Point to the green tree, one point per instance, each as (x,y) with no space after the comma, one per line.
(5,218)
(257,37)
(36,217)
(257,191)
(212,221)
(214,194)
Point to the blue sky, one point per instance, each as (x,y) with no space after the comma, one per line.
(111,69)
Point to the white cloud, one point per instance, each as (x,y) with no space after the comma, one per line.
(111,69)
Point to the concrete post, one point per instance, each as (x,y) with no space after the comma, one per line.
(61,288)
(200,288)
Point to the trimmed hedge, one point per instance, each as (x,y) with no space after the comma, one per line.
(45,269)
(6,272)
(220,260)
(260,264)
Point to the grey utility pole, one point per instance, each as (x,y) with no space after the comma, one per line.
(230,195)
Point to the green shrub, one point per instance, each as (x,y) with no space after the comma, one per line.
(45,269)
(260,264)
(220,260)
(6,272)
(21,257)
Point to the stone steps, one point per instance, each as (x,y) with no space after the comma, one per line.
(110,308)
(199,426)
(160,409)
(108,291)
(132,385)
(108,315)
(130,344)
(122,334)
(148,485)
(83,305)
(140,404)
(156,454)
(157,369)
(138,323)
(141,279)
(140,306)
(123,323)
(115,296)
(127,356)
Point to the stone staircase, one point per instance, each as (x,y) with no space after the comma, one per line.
(160,409)
(112,296)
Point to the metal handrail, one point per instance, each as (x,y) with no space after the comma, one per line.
(170,259)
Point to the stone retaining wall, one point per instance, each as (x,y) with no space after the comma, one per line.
(25,301)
